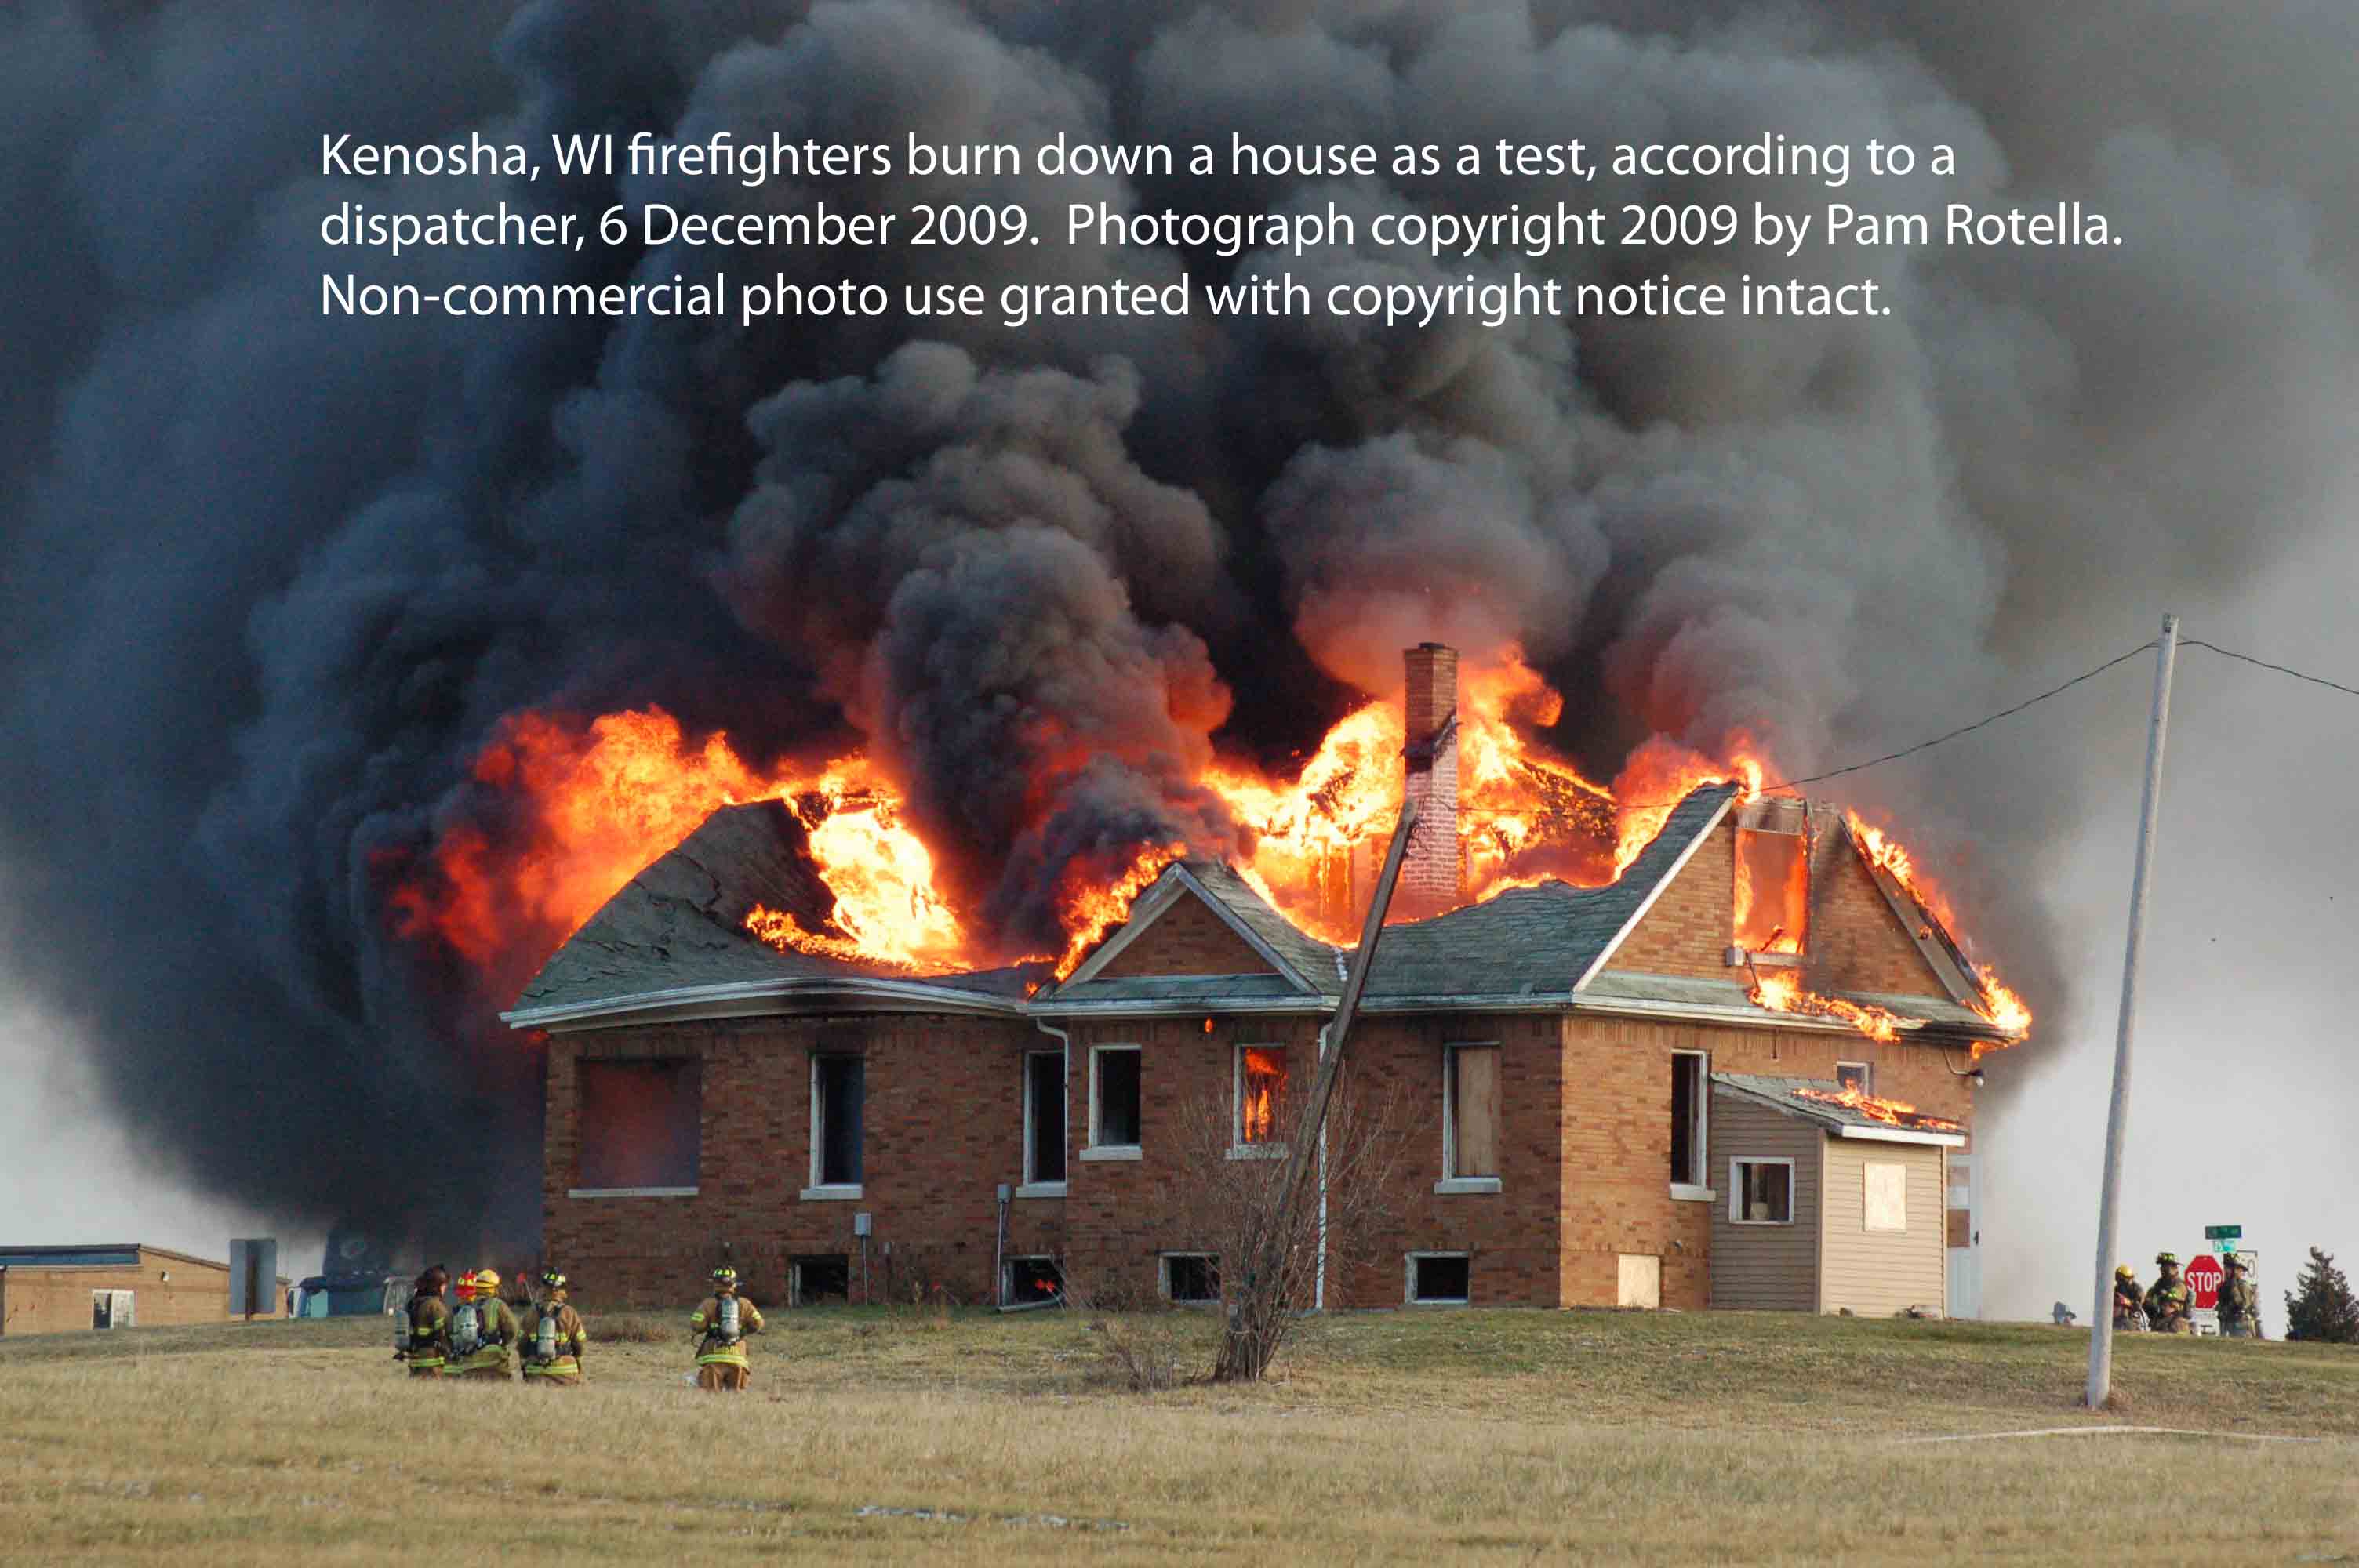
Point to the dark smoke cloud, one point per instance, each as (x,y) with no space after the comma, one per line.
(273,581)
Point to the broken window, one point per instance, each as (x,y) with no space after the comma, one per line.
(1761,1192)
(1853,1075)
(826,1277)
(1033,1281)
(1191,1277)
(1470,1111)
(1044,1117)
(639,1124)
(1688,1080)
(1439,1277)
(1261,1085)
(1114,1096)
(1773,890)
(1885,1201)
(838,1092)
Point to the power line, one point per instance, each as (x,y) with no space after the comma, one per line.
(2281,669)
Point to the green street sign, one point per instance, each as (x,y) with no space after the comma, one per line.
(2223,1232)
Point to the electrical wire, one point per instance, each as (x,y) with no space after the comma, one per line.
(2281,669)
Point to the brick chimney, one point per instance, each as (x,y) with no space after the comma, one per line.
(1429,871)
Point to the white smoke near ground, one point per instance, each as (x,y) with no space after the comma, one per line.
(273,581)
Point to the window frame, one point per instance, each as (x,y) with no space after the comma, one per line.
(822,1190)
(1700,1135)
(1736,938)
(1270,1148)
(672,1063)
(1736,1187)
(1408,1287)
(1866,1075)
(1095,1149)
(1163,1278)
(1032,1186)
(1452,1184)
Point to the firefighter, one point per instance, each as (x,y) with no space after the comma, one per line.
(720,1324)
(2167,1300)
(425,1333)
(2129,1302)
(482,1329)
(553,1336)
(2240,1306)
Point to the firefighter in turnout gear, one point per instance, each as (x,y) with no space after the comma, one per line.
(482,1329)
(2240,1306)
(554,1338)
(424,1338)
(2129,1302)
(2167,1300)
(720,1324)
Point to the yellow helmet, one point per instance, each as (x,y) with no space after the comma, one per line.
(487,1280)
(2123,1271)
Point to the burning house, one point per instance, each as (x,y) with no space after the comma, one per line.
(1686,1069)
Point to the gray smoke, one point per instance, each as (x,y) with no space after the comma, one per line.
(274,580)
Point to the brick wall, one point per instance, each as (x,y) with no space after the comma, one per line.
(1429,869)
(57,1300)
(1188,938)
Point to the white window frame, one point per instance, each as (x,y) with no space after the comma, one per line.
(1163,1278)
(1736,1188)
(1238,1148)
(1033,1187)
(1408,1283)
(1094,1148)
(1452,1184)
(1866,1075)
(834,1192)
(1699,1136)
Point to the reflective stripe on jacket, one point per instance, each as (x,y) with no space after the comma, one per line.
(710,1352)
(573,1338)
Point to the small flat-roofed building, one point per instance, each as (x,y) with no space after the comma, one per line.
(62,1290)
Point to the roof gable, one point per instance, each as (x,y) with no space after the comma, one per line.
(1200,919)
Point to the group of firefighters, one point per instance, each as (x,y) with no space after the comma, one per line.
(2165,1306)
(473,1338)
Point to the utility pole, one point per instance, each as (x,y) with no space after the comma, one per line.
(2101,1332)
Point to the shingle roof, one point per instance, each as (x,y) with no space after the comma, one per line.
(679,923)
(1783,1094)
(1312,959)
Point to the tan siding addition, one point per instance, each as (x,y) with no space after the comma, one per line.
(1879,1273)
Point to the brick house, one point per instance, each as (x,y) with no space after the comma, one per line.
(1579,1074)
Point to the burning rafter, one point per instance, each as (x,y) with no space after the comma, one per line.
(1890,1112)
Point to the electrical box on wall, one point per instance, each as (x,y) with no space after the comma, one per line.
(859,1224)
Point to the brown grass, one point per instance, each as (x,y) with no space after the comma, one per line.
(1387,1437)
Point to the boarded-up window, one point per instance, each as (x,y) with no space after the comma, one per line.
(1261,1085)
(838,1085)
(1887,1195)
(1471,1107)
(1761,1192)
(639,1122)
(1044,1115)
(1687,1118)
(1773,890)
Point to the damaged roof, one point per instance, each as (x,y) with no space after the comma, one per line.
(678,926)
(1787,1096)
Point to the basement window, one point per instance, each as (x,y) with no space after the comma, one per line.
(639,1127)
(1773,890)
(1440,1279)
(1192,1279)
(839,1093)
(1469,1118)
(1044,1123)
(1260,1090)
(826,1277)
(1691,1076)
(1114,1103)
(1761,1192)
(1033,1281)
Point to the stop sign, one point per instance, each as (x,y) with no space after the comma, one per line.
(2203,1278)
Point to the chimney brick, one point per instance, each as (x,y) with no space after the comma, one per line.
(1429,871)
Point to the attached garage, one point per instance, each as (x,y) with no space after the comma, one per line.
(1830,1201)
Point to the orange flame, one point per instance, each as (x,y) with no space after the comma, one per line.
(1891,1113)
(1780,990)
(1265,1080)
(1661,773)
(1091,911)
(1997,1002)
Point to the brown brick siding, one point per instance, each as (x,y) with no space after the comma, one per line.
(1188,939)
(57,1300)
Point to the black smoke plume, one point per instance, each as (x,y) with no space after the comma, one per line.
(274,580)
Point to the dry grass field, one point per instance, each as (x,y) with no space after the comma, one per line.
(876,1437)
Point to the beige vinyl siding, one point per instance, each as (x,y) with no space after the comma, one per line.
(1770,1267)
(1877,1273)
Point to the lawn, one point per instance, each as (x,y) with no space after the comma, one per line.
(880,1435)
